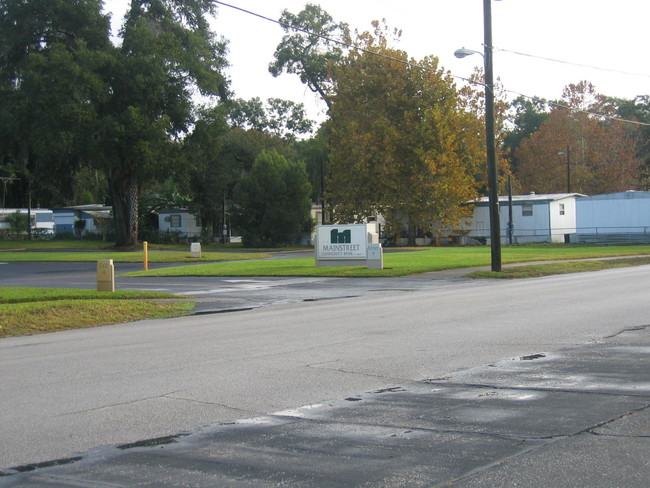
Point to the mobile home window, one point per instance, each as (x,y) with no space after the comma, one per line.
(527,210)
(561,209)
(175,220)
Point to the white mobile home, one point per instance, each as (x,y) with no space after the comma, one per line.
(181,222)
(42,220)
(84,219)
(614,217)
(535,218)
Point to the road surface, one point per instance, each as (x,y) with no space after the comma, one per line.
(69,392)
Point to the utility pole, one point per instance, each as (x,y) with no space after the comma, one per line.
(493,193)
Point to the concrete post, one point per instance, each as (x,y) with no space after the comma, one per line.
(195,250)
(375,256)
(105,275)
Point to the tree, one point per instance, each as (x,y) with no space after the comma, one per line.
(401,144)
(88,186)
(72,99)
(50,49)
(308,50)
(526,116)
(472,100)
(18,223)
(281,118)
(272,201)
(601,151)
(637,109)
(211,175)
(217,157)
(167,53)
(314,151)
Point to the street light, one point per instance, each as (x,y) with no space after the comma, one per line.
(463,53)
(568,168)
(493,194)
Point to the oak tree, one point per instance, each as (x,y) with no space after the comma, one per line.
(167,53)
(309,48)
(279,117)
(49,52)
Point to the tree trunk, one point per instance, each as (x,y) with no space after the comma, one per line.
(133,212)
(124,193)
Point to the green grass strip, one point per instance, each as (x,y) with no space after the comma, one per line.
(539,270)
(22,294)
(398,263)
(126,256)
(19,319)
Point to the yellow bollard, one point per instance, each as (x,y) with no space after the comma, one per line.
(105,275)
(145,245)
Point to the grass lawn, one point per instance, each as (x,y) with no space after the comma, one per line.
(126,256)
(26,311)
(21,245)
(400,263)
(89,251)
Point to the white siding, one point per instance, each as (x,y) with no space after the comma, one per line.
(563,218)
(179,221)
(42,219)
(535,218)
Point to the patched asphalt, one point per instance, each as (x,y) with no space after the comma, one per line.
(577,417)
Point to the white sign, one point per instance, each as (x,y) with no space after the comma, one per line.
(348,241)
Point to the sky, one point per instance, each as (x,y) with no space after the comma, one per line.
(583,34)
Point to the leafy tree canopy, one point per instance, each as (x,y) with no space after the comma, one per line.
(272,202)
(526,115)
(401,144)
(600,153)
(281,118)
(307,49)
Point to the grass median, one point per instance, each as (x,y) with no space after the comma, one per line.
(126,256)
(27,311)
(400,263)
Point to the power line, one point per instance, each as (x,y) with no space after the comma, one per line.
(572,64)
(586,112)
(415,65)
(342,43)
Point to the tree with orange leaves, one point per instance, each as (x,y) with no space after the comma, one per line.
(579,148)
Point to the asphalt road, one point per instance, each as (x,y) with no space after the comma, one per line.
(69,392)
(215,294)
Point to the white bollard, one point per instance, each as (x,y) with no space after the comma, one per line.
(195,250)
(375,256)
